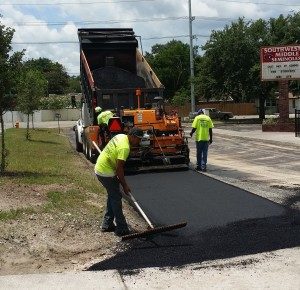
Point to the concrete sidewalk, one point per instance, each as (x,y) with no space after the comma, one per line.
(267,274)
(48,124)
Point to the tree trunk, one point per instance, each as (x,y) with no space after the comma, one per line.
(262,109)
(3,149)
(27,130)
(32,125)
(12,118)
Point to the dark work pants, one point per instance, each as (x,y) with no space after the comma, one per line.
(114,204)
(202,151)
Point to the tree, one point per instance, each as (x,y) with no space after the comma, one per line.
(230,65)
(10,65)
(229,57)
(171,62)
(54,73)
(181,97)
(31,89)
(74,85)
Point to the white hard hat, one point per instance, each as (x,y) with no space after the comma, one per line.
(98,109)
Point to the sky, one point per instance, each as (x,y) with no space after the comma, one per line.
(48,28)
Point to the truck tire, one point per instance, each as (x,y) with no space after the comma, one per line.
(93,156)
(86,150)
(79,147)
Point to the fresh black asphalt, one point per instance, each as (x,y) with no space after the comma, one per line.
(204,202)
(223,221)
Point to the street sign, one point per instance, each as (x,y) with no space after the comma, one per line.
(280,63)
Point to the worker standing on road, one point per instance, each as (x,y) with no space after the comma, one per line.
(109,170)
(203,125)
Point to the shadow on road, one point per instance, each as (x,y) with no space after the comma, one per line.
(236,239)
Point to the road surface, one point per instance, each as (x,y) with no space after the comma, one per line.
(224,221)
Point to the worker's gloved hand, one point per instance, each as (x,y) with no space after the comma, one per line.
(191,134)
(210,141)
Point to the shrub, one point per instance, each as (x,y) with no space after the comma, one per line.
(270,121)
(55,102)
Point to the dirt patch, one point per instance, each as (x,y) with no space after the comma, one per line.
(53,242)
(14,196)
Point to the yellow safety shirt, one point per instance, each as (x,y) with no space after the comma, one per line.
(104,117)
(117,148)
(202,123)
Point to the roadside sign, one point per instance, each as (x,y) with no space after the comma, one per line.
(280,62)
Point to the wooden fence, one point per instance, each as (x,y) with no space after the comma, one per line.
(236,108)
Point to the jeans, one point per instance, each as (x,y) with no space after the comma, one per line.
(114,204)
(202,150)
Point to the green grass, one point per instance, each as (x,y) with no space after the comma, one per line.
(15,213)
(48,158)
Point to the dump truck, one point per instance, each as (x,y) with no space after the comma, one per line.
(115,76)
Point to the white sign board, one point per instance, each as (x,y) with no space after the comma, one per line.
(280,62)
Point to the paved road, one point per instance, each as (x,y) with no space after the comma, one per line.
(260,252)
(204,202)
(223,221)
(245,152)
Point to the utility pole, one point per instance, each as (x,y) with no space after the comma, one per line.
(191,18)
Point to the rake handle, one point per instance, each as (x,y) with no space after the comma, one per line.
(140,210)
(132,198)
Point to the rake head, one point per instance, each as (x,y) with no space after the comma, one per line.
(154,231)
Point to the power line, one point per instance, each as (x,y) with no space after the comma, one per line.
(175,36)
(77,23)
(136,1)
(76,42)
(46,42)
(74,3)
(39,23)
(259,3)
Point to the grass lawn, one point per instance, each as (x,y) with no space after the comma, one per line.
(49,165)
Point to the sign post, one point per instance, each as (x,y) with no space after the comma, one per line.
(58,116)
(282,64)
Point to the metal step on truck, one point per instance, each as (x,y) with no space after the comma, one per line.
(116,77)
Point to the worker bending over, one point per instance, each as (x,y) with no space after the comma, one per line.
(109,170)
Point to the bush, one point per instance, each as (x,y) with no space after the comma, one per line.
(55,102)
(270,121)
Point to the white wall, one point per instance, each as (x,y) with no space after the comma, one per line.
(42,116)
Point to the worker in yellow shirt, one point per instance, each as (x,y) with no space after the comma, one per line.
(102,120)
(103,117)
(109,170)
(203,125)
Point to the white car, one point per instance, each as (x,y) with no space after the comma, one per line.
(78,129)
